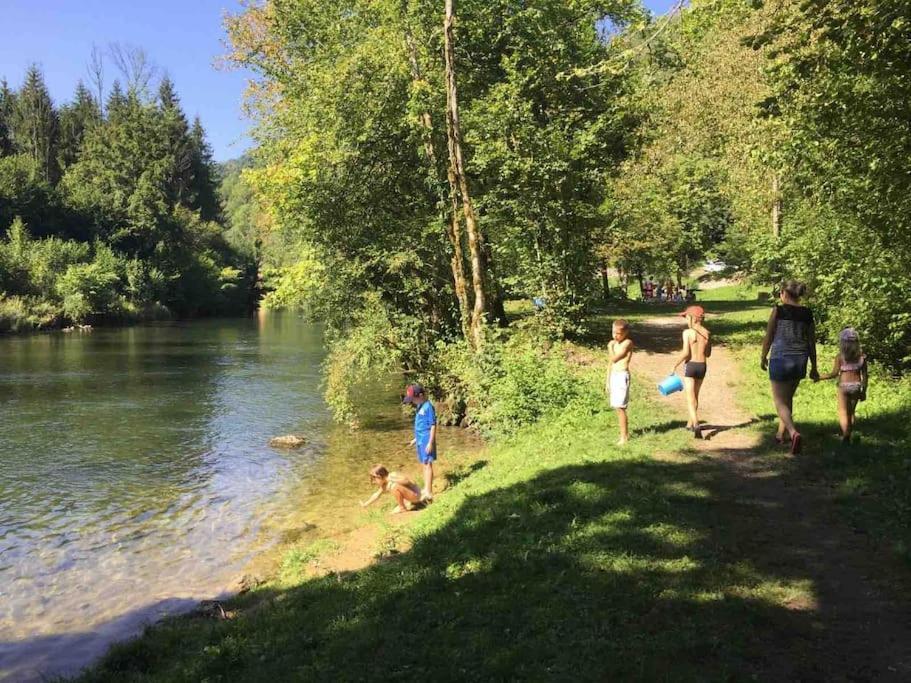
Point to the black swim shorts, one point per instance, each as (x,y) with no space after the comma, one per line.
(694,370)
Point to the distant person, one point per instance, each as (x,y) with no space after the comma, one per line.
(425,434)
(791,338)
(851,370)
(697,347)
(620,352)
(648,289)
(407,494)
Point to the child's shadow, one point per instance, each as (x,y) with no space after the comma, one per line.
(463,473)
(711,430)
(663,428)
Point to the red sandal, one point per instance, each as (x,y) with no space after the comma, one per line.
(795,443)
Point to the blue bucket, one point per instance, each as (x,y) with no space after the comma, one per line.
(670,385)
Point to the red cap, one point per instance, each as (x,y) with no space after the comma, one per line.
(693,312)
(411,392)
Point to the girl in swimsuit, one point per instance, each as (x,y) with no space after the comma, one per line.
(407,494)
(697,347)
(851,370)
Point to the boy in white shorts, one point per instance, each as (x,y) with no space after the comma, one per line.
(620,352)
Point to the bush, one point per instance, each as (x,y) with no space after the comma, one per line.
(89,288)
(512,382)
(22,314)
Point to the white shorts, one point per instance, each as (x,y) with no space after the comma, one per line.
(619,389)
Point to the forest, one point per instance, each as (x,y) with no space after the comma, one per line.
(109,205)
(418,177)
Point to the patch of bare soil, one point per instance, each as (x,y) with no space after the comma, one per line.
(787,525)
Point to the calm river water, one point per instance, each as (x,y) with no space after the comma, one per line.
(136,476)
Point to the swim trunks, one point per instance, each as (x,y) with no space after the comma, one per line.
(694,370)
(619,389)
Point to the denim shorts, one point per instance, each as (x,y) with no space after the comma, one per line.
(787,368)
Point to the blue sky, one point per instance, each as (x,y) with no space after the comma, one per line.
(182,37)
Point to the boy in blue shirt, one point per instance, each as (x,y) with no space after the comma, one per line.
(425,434)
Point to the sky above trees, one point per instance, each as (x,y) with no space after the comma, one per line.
(183,39)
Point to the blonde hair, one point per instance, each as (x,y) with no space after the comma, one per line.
(621,324)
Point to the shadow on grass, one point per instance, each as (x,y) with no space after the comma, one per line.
(625,569)
(460,475)
(870,478)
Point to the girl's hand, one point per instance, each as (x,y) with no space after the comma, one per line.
(412,442)
(814,374)
(764,363)
(428,449)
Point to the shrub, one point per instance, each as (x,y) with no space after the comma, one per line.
(88,288)
(512,382)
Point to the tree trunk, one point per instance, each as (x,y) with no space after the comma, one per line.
(605,283)
(776,207)
(457,174)
(453,226)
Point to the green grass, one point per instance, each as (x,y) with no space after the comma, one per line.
(560,556)
(870,478)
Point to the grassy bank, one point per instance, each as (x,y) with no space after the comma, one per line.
(560,556)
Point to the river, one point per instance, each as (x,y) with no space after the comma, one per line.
(136,476)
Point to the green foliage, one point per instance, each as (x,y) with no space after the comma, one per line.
(33,125)
(800,103)
(130,230)
(511,383)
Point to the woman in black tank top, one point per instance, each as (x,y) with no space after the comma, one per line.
(791,338)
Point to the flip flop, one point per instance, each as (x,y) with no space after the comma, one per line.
(795,443)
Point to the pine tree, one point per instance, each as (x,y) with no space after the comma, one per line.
(176,134)
(75,119)
(35,126)
(205,187)
(116,103)
(7,106)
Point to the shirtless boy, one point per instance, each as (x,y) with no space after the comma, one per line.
(620,351)
(697,346)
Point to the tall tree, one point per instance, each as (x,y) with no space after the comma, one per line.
(204,182)
(460,187)
(7,107)
(116,103)
(176,134)
(35,126)
(75,119)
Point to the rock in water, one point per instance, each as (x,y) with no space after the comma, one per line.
(287,441)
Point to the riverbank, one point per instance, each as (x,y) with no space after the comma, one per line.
(558,554)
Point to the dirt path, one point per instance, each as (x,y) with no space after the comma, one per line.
(787,526)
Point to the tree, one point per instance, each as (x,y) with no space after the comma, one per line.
(204,186)
(116,103)
(175,131)
(459,186)
(35,126)
(7,107)
(75,119)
